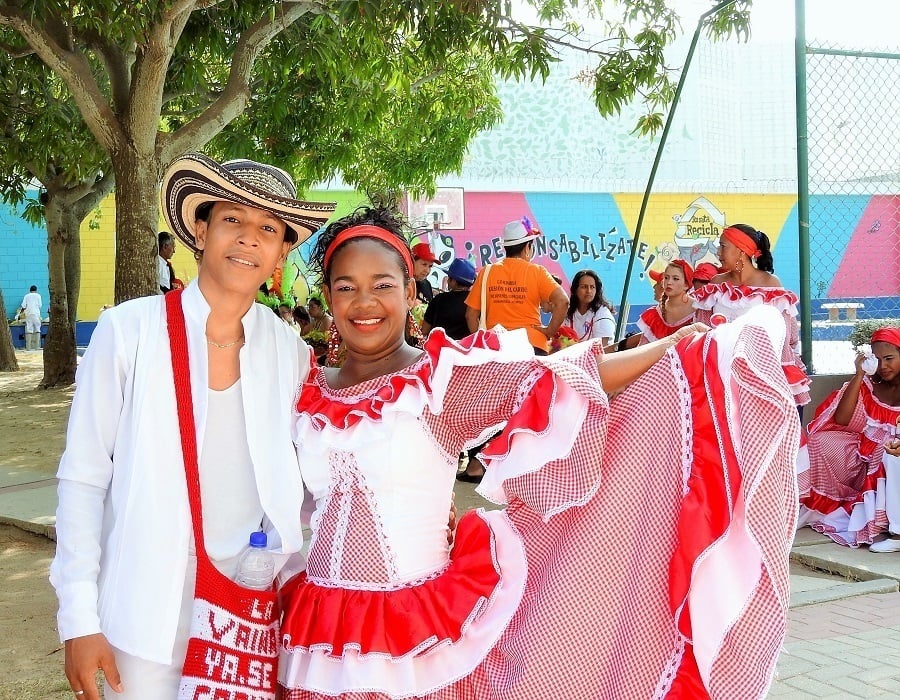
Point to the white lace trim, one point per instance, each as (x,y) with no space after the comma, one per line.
(723,303)
(347,474)
(450,457)
(670,670)
(380,587)
(687,424)
(524,389)
(367,389)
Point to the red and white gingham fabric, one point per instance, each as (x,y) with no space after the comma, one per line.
(604,614)
(722,302)
(841,472)
(653,326)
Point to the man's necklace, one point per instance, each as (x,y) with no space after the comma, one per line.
(224,345)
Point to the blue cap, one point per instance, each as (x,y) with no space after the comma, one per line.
(259,539)
(462,271)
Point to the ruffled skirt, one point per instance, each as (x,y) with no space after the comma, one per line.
(410,641)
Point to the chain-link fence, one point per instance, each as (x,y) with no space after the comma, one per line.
(728,157)
(747,158)
(853,126)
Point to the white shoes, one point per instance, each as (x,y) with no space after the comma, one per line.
(888,545)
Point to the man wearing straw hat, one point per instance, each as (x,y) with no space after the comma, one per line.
(124,570)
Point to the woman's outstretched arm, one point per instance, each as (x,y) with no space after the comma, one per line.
(620,369)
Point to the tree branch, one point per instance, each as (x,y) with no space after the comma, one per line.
(118,63)
(188,6)
(236,94)
(98,191)
(560,37)
(150,70)
(15,52)
(75,71)
(151,67)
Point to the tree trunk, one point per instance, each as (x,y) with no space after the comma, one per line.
(8,362)
(137,217)
(73,274)
(60,359)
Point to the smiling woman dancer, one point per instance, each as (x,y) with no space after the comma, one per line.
(386,610)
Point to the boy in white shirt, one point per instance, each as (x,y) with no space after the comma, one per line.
(124,568)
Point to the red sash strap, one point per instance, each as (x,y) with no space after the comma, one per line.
(233,648)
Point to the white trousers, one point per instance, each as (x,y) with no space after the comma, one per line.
(32,324)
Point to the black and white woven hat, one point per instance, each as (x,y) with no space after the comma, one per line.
(194,178)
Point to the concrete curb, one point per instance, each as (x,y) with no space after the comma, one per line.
(48,531)
(843,590)
(854,564)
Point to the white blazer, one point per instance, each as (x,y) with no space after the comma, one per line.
(123,522)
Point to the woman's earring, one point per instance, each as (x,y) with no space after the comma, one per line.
(334,347)
(413,332)
(684,298)
(741,263)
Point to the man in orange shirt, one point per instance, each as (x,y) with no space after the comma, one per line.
(516,288)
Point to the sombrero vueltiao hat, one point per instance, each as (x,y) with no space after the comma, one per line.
(193,179)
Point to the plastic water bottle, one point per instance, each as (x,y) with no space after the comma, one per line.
(256,567)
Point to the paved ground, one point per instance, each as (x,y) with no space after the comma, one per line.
(848,648)
(844,624)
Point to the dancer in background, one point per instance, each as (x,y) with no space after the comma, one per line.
(846,490)
(749,281)
(590,314)
(675,308)
(703,274)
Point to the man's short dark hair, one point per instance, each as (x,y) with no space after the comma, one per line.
(33,288)
(514,250)
(164,238)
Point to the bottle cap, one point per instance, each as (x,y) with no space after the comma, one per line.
(258,539)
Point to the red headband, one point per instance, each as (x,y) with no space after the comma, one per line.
(685,270)
(370,231)
(741,241)
(888,334)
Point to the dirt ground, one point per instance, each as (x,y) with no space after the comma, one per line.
(33,426)
(32,423)
(32,667)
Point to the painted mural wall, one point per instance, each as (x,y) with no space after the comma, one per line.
(596,231)
(23,258)
(582,230)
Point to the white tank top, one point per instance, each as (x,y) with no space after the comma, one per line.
(231,506)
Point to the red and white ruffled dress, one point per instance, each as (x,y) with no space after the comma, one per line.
(653,326)
(718,303)
(841,474)
(642,554)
